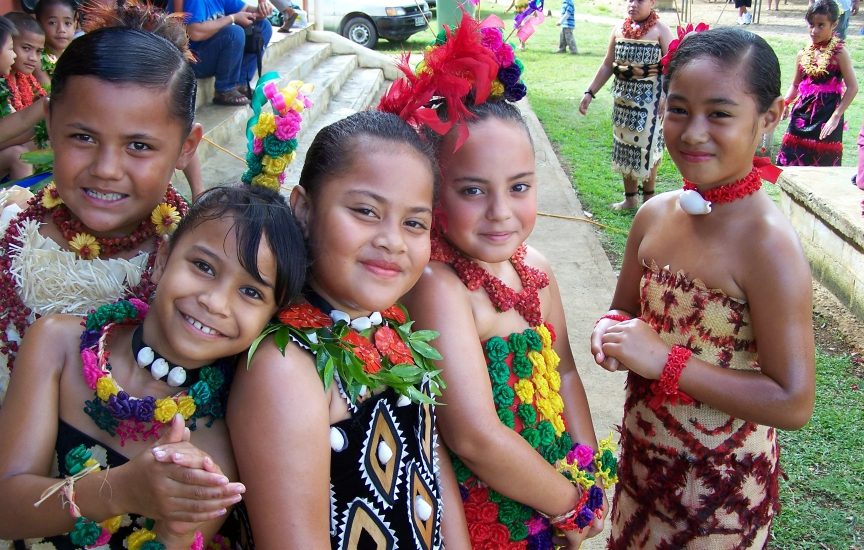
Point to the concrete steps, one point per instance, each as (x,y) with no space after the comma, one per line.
(346,79)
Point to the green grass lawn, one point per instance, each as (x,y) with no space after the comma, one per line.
(823,499)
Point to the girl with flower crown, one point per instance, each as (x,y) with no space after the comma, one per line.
(514,413)
(116,396)
(822,89)
(711,316)
(91,235)
(633,57)
(332,420)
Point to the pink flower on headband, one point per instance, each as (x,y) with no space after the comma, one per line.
(288,125)
(682,33)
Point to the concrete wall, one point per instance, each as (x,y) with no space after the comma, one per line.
(825,209)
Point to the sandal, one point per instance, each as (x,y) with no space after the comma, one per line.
(232,98)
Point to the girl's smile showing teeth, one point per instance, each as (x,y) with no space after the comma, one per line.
(104,196)
(201,327)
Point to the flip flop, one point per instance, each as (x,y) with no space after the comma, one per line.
(231,98)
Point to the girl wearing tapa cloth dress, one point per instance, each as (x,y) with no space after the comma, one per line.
(711,315)
(816,97)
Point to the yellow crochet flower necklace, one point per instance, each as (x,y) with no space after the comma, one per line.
(815,58)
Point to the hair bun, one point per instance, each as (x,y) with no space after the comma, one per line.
(139,15)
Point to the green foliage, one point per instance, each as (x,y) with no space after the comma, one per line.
(823,499)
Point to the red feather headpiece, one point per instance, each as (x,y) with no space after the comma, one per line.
(459,66)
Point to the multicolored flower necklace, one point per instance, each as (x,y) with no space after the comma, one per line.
(162,221)
(690,198)
(635,30)
(364,354)
(504,298)
(816,57)
(23,89)
(139,418)
(18,315)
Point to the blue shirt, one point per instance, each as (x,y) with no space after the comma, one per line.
(199,11)
(568,15)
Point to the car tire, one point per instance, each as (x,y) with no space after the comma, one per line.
(361,31)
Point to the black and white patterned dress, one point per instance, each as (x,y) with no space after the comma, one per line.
(636,125)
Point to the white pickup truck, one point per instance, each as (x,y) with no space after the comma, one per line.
(366,21)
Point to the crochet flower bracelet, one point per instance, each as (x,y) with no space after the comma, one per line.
(584,467)
(79,462)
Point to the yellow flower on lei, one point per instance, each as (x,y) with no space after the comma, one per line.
(558,424)
(541,384)
(525,390)
(265,126)
(138,537)
(165,218)
(554,379)
(112,524)
(551,358)
(545,336)
(166,408)
(557,403)
(106,387)
(538,362)
(51,198)
(186,406)
(85,245)
(545,408)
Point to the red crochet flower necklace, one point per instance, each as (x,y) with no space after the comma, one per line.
(22,88)
(635,30)
(504,298)
(747,185)
(15,312)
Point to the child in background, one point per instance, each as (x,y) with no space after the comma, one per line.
(514,411)
(337,396)
(816,100)
(633,57)
(711,315)
(90,237)
(567,24)
(233,261)
(15,135)
(744,16)
(24,89)
(59,20)
(29,45)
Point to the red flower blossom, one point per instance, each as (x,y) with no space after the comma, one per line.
(673,45)
(479,532)
(390,345)
(499,535)
(487,512)
(364,350)
(394,313)
(304,316)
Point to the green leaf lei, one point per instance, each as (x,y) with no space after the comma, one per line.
(386,354)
